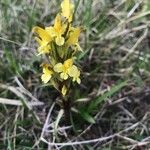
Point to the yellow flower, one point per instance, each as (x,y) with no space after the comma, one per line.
(67,9)
(47,73)
(57,31)
(75,73)
(63,68)
(43,40)
(73,38)
(64,90)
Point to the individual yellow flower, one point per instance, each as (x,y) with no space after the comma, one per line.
(57,30)
(64,90)
(67,9)
(73,38)
(63,68)
(75,74)
(43,40)
(47,73)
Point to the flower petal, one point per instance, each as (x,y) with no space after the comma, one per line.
(43,34)
(73,71)
(64,76)
(58,67)
(46,77)
(64,90)
(59,40)
(51,31)
(68,63)
(67,9)
(78,80)
(65,5)
(75,74)
(74,35)
(57,24)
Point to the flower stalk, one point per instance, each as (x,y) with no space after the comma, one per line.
(59,43)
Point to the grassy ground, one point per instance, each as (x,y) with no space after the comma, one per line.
(114,96)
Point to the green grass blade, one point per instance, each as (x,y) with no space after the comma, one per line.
(95,102)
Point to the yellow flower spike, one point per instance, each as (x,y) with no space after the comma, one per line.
(47,74)
(64,90)
(75,74)
(67,9)
(63,68)
(57,30)
(50,38)
(44,39)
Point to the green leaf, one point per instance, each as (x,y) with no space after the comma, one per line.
(87,116)
(87,13)
(85,111)
(95,102)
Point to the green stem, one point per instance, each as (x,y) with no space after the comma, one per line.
(67,110)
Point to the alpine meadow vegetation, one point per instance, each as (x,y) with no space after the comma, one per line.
(74,74)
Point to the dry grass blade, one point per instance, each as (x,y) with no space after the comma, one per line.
(131,51)
(23,99)
(14,102)
(24,91)
(45,126)
(79,142)
(1,38)
(13,90)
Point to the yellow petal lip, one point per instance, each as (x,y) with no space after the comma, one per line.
(75,74)
(64,76)
(60,41)
(58,67)
(45,78)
